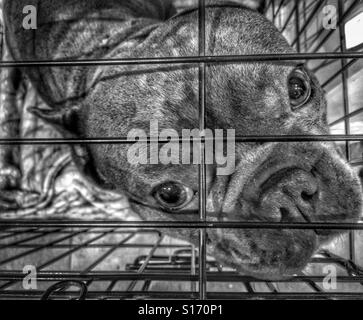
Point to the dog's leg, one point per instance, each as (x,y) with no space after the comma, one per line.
(9,128)
(10,81)
(12,94)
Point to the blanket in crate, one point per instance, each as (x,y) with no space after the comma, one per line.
(49,185)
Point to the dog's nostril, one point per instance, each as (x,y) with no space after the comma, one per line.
(306,196)
(208,240)
(310,197)
(285,214)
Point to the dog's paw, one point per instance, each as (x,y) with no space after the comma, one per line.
(17,199)
(9,181)
(11,195)
(9,177)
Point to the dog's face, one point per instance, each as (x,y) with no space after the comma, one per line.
(279,182)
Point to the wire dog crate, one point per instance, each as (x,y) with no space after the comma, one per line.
(80,259)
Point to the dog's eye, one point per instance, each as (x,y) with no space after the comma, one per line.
(299,88)
(173,195)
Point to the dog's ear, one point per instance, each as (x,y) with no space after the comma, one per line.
(52,33)
(258,5)
(38,30)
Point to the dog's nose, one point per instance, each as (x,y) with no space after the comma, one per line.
(290,196)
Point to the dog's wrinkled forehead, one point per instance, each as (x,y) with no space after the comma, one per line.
(161,90)
(230,29)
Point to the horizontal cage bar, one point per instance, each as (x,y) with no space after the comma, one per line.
(182,224)
(185,60)
(125,140)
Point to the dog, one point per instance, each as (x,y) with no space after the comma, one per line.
(271,182)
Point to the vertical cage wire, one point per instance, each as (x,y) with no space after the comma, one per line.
(202,165)
(297,25)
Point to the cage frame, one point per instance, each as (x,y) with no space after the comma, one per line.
(65,279)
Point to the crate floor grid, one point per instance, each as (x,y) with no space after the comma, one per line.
(118,263)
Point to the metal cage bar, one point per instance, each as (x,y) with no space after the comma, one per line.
(344,74)
(283,57)
(184,224)
(202,166)
(178,270)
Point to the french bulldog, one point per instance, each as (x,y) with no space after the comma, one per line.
(271,182)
